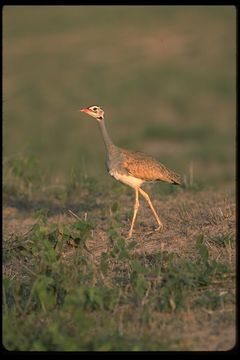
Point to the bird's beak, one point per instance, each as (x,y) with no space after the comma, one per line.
(84,110)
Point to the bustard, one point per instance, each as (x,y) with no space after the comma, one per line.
(132,168)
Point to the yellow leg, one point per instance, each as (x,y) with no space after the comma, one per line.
(136,206)
(145,195)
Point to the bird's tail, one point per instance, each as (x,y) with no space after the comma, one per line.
(175,178)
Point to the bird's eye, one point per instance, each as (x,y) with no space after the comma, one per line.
(95,109)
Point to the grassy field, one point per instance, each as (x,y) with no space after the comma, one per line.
(166,78)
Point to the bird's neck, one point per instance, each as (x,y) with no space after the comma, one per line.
(107,141)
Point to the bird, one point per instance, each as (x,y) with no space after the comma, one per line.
(132,168)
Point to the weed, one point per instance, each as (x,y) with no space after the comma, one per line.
(212,300)
(115,207)
(223,240)
(162,282)
(20,173)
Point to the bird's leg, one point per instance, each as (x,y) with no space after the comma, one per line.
(136,206)
(145,195)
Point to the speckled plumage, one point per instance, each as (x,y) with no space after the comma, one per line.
(132,168)
(145,167)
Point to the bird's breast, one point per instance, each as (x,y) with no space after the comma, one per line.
(126,179)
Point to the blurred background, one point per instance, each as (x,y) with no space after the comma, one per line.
(165,76)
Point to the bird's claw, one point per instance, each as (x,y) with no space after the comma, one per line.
(129,236)
(160,226)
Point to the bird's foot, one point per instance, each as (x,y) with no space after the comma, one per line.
(160,226)
(129,236)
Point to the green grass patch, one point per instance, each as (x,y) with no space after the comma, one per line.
(223,240)
(59,304)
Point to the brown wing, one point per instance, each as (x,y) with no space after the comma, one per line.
(145,167)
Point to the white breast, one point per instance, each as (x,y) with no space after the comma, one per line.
(127,179)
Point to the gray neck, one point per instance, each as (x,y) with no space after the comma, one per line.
(107,141)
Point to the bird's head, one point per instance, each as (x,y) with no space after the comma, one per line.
(94,111)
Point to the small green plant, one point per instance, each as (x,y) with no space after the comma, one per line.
(73,183)
(42,215)
(22,172)
(213,300)
(115,207)
(222,240)
(138,278)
